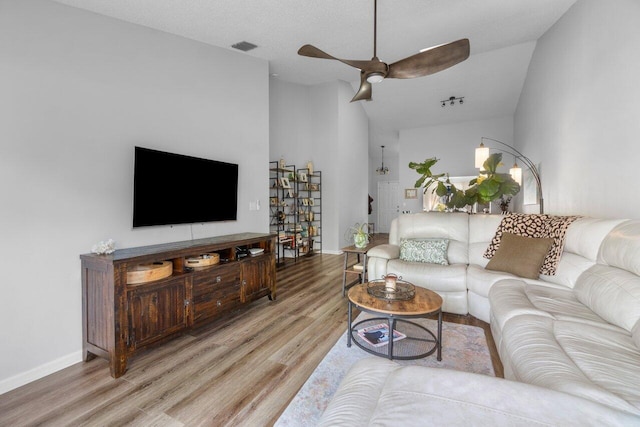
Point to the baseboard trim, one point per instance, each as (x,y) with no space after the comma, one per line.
(40,372)
(332,252)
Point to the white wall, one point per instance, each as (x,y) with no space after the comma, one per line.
(454,145)
(318,123)
(290,127)
(79,91)
(579,113)
(352,162)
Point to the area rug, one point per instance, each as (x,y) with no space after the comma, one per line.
(464,348)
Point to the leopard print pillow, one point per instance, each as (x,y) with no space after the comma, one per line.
(537,226)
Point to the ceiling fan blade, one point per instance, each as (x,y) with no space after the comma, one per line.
(430,61)
(364,93)
(314,52)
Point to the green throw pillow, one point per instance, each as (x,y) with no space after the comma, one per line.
(433,251)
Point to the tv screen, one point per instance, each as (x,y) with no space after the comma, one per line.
(176,189)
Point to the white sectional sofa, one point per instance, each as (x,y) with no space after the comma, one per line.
(576,332)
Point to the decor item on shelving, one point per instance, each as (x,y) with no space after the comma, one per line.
(284,182)
(358,234)
(428,61)
(302,177)
(104,247)
(382,170)
(148,272)
(482,153)
(452,101)
(310,167)
(282,163)
(504,203)
(488,186)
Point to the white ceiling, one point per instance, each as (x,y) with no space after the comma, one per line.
(502,34)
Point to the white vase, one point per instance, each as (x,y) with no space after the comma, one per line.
(360,240)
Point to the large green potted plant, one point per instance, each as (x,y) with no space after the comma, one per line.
(488,186)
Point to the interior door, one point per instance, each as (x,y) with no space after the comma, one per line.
(388,204)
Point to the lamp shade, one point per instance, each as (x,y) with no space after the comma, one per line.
(516,173)
(482,154)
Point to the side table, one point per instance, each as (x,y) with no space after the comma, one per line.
(361,253)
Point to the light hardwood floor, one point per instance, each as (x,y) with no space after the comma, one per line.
(242,370)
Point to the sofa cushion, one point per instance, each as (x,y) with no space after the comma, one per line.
(520,255)
(621,247)
(433,251)
(536,226)
(378,392)
(385,251)
(585,235)
(435,225)
(511,298)
(541,351)
(482,228)
(612,293)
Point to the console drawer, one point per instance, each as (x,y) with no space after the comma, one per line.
(211,304)
(204,282)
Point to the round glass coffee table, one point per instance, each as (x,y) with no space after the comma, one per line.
(411,340)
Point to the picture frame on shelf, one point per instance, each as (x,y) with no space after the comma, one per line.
(311,202)
(305,202)
(302,177)
(284,182)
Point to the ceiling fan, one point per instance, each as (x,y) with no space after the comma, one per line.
(429,61)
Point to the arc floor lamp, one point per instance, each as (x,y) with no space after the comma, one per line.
(482,153)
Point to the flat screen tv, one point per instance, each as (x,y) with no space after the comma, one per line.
(176,189)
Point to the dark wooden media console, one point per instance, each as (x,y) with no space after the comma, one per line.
(119,319)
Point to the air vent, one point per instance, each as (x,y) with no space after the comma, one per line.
(244,46)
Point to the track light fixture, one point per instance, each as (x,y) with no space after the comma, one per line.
(452,100)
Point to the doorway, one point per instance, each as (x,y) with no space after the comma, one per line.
(388,205)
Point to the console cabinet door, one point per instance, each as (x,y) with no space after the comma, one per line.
(256,278)
(157,311)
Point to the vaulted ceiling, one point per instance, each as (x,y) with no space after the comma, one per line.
(502,35)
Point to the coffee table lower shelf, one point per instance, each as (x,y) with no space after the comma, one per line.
(419,341)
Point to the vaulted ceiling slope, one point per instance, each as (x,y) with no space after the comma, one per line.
(502,35)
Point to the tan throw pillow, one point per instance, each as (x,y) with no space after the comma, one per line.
(531,225)
(519,255)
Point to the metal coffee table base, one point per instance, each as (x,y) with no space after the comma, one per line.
(412,347)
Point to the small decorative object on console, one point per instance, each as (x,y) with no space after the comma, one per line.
(104,247)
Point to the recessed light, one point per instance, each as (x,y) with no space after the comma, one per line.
(244,46)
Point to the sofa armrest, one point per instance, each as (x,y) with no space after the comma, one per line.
(385,251)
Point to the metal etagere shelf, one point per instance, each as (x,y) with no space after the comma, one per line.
(295,217)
